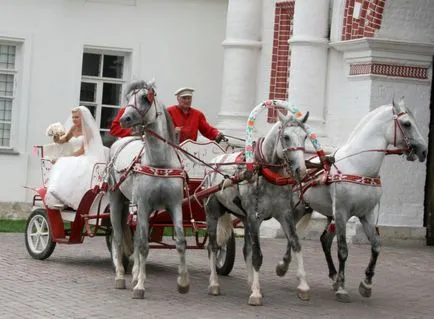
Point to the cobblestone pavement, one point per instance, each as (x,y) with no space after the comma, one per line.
(77,282)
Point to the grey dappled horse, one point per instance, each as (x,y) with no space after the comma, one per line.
(148,192)
(362,155)
(258,200)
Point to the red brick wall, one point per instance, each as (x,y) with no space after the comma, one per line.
(283,18)
(369,20)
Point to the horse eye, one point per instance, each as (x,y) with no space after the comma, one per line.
(286,137)
(406,124)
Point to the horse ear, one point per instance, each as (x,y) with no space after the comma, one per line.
(282,117)
(305,117)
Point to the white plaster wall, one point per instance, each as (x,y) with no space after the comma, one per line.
(178,42)
(347,101)
(264,65)
(409,20)
(402,203)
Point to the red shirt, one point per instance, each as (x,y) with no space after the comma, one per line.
(116,129)
(190,123)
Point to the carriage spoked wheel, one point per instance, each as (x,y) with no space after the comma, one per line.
(125,258)
(38,235)
(226,257)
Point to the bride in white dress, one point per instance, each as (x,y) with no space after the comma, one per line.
(70,176)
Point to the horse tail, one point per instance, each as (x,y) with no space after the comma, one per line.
(303,223)
(224,229)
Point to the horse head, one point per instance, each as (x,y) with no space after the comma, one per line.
(140,97)
(406,134)
(289,148)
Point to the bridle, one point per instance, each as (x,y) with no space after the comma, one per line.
(150,96)
(398,127)
(282,128)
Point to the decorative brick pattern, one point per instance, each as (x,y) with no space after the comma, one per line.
(401,71)
(284,14)
(367,22)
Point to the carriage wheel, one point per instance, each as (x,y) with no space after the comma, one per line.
(226,257)
(38,235)
(125,259)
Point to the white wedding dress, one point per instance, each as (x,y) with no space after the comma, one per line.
(70,178)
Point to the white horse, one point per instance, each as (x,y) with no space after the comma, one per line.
(353,188)
(153,180)
(281,152)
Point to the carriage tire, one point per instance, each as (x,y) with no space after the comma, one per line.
(125,259)
(39,241)
(224,267)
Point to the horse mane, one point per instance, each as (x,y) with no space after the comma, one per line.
(134,86)
(368,117)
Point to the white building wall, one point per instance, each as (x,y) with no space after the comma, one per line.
(408,20)
(177,42)
(404,182)
(349,98)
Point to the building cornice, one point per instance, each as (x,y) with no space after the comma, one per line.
(375,48)
(385,58)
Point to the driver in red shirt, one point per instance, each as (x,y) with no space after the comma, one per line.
(188,121)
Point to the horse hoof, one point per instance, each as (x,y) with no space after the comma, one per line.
(183,289)
(120,284)
(281,269)
(138,293)
(342,296)
(335,286)
(303,295)
(214,290)
(365,290)
(255,300)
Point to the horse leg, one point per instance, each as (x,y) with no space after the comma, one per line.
(117,219)
(365,287)
(294,244)
(183,279)
(326,243)
(341,223)
(212,209)
(141,249)
(253,257)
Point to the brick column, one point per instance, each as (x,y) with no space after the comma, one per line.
(241,54)
(308,67)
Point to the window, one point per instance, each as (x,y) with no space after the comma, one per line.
(8,74)
(102,79)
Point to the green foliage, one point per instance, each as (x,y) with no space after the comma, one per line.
(12,226)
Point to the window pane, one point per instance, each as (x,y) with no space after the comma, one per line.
(108,114)
(92,109)
(111,94)
(7,56)
(91,64)
(5,134)
(6,84)
(5,109)
(113,66)
(88,92)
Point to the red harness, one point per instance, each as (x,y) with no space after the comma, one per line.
(159,172)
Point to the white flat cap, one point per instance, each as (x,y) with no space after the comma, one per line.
(184,92)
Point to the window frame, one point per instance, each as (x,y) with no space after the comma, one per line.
(16,72)
(100,80)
